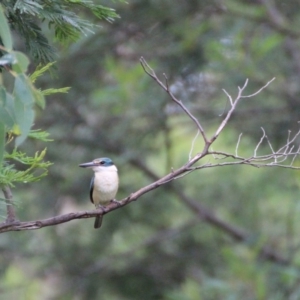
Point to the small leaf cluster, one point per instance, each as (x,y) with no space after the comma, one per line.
(64,17)
(9,175)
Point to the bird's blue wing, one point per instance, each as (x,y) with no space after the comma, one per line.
(91,189)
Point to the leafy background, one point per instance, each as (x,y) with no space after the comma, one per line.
(158,248)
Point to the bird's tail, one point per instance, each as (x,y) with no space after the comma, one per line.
(98,222)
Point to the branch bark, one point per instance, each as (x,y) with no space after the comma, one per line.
(10,209)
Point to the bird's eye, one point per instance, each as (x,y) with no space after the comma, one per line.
(102,162)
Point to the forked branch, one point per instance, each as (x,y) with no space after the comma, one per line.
(166,87)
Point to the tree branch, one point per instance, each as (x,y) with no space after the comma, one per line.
(234,103)
(152,74)
(10,209)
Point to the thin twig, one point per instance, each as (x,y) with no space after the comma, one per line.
(294,157)
(260,141)
(270,145)
(228,96)
(262,88)
(290,141)
(237,145)
(229,113)
(152,74)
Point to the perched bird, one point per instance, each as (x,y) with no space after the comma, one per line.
(104,184)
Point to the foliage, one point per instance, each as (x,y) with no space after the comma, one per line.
(17,114)
(9,175)
(26,17)
(17,108)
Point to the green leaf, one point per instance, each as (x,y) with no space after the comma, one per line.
(39,98)
(2,95)
(25,118)
(23,89)
(21,62)
(24,100)
(7,116)
(2,142)
(55,91)
(4,31)
(9,175)
(40,70)
(38,134)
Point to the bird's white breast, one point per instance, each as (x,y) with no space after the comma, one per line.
(106,184)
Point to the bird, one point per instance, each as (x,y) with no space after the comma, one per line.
(104,184)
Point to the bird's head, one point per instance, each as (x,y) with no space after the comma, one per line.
(98,164)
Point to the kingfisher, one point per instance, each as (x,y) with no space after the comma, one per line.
(104,184)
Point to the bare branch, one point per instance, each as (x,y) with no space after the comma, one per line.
(208,143)
(244,162)
(292,162)
(260,141)
(289,142)
(228,96)
(167,82)
(237,144)
(244,86)
(152,74)
(270,145)
(234,104)
(229,113)
(256,93)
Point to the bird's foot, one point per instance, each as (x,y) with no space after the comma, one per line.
(100,207)
(115,201)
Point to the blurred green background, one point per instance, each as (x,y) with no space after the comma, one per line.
(157,247)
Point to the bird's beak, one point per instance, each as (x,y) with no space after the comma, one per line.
(87,165)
